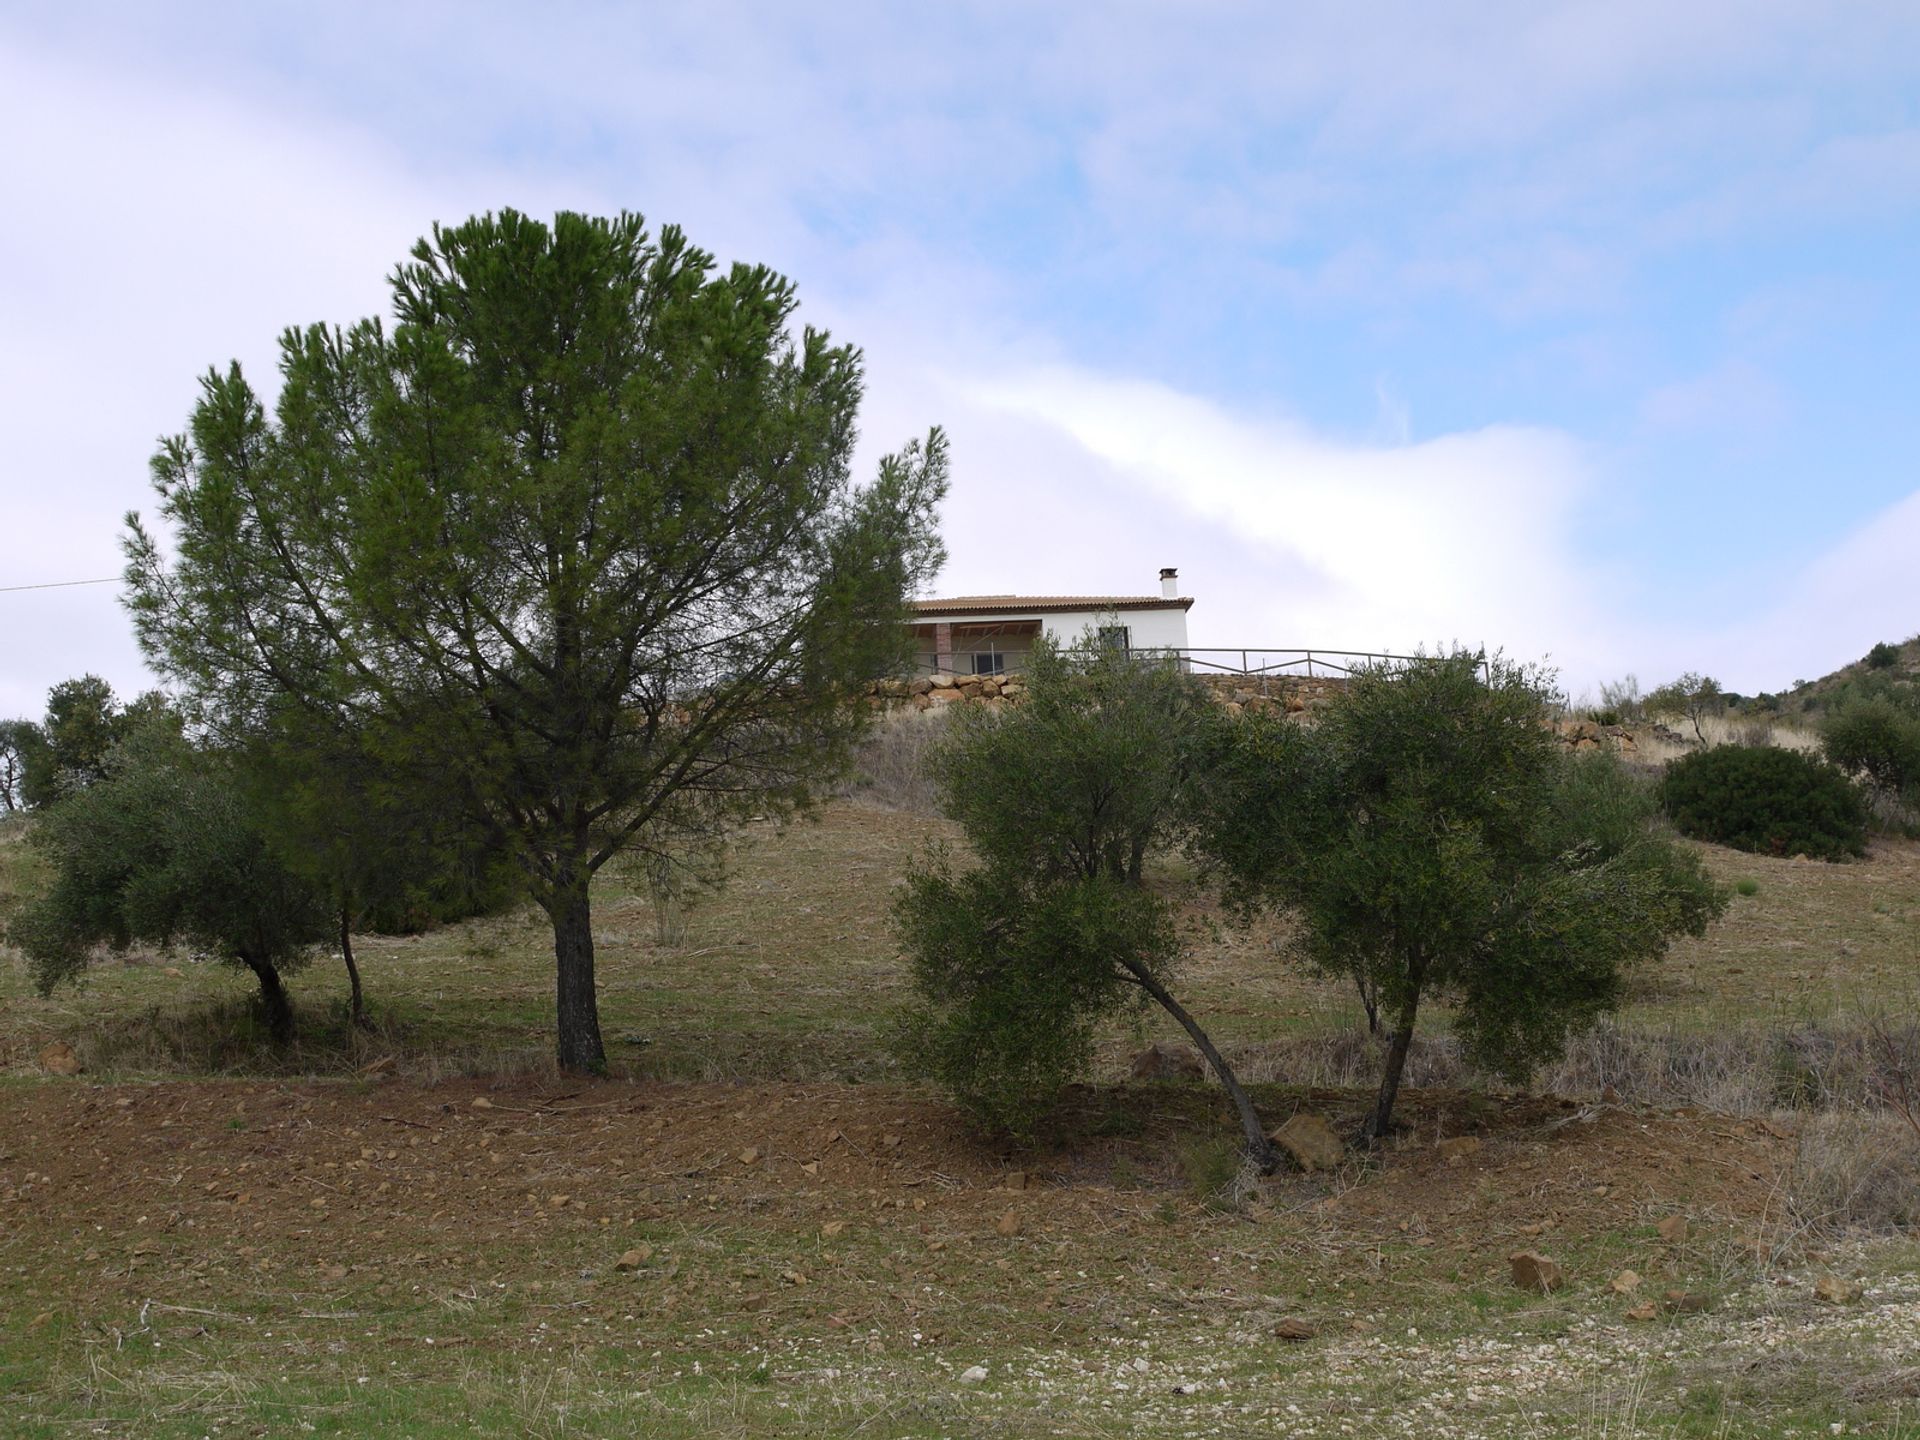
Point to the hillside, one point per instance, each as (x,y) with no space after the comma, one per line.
(1887,664)
(756,1227)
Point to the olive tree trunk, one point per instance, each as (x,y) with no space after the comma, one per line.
(273,998)
(356,1000)
(1397,1047)
(1259,1149)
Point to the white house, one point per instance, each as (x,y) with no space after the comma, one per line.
(991,634)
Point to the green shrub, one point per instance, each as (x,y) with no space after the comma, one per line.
(1768,801)
(1211,1165)
(1014,979)
(1747,886)
(1883,656)
(1876,736)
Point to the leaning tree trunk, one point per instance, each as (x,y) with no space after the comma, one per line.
(1382,1116)
(273,998)
(356,1002)
(576,1003)
(1259,1148)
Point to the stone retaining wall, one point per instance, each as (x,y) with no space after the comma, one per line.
(1290,693)
(1240,694)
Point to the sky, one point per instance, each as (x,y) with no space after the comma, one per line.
(1583,331)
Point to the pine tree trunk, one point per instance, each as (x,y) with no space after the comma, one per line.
(273,999)
(577,1004)
(1382,1116)
(356,1003)
(1259,1148)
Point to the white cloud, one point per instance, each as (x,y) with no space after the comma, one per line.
(1336,543)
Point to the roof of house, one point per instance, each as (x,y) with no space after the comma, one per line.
(1037,604)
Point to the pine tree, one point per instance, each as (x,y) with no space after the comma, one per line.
(575,541)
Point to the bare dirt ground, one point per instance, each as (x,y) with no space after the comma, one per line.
(762,1258)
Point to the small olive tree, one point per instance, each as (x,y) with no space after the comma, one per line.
(1017,961)
(162,847)
(1877,736)
(68,749)
(1693,698)
(21,743)
(388,848)
(1436,842)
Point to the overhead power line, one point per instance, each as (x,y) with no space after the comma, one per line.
(59,584)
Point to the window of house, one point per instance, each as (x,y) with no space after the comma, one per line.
(1115,637)
(989,662)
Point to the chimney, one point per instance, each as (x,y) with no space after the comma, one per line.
(1170,583)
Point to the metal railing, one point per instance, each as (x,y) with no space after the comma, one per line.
(1253,662)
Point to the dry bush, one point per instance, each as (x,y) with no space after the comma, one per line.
(1864,1066)
(890,765)
(1350,1058)
(1856,1169)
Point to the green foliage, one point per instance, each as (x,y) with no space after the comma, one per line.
(1436,841)
(1876,735)
(1211,1165)
(1014,976)
(1692,698)
(162,848)
(394,853)
(22,746)
(1017,963)
(68,750)
(1766,800)
(1085,776)
(1747,886)
(1621,701)
(1883,656)
(574,541)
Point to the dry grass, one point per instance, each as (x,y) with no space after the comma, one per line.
(791,971)
(890,767)
(1856,1169)
(1652,747)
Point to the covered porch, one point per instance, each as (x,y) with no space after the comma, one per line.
(985,647)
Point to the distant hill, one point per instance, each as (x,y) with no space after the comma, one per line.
(1886,666)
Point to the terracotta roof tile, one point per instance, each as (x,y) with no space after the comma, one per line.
(1000,604)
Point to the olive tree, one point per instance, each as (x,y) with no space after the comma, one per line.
(1693,698)
(1017,960)
(575,541)
(68,749)
(163,848)
(21,746)
(1877,735)
(1436,842)
(388,855)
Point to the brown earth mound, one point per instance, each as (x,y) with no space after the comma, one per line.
(331,1164)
